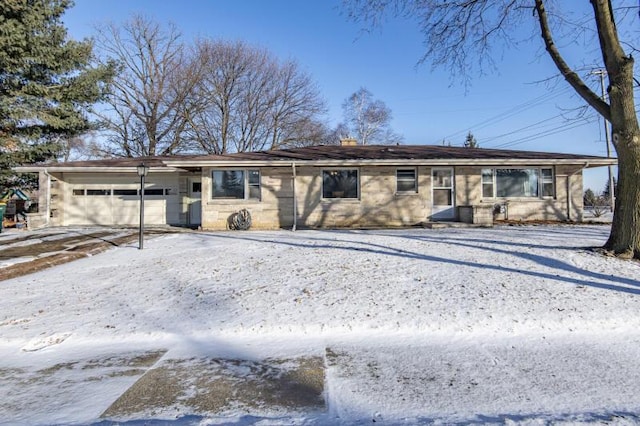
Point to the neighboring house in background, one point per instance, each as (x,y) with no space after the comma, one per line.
(319,186)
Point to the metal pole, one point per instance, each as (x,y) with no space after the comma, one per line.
(141,235)
(612,194)
(295,200)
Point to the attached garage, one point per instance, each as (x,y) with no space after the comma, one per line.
(107,192)
(115,200)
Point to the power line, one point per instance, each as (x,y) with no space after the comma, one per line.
(511,112)
(546,120)
(553,131)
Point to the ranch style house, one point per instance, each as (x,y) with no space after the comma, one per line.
(323,186)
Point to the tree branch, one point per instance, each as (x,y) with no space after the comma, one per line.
(572,78)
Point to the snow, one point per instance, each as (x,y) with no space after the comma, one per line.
(514,324)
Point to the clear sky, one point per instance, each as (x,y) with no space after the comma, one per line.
(503,109)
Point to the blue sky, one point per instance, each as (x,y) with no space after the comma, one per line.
(503,109)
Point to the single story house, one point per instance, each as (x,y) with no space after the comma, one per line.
(319,186)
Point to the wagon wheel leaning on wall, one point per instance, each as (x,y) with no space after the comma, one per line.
(240,221)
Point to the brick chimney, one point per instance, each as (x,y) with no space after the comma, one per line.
(348,142)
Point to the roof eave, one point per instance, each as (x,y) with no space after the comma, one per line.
(590,162)
(87,169)
(179,165)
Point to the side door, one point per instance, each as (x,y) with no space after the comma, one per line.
(195,201)
(442,194)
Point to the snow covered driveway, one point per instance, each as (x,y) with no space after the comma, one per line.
(521,324)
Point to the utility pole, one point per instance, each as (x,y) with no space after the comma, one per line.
(602,73)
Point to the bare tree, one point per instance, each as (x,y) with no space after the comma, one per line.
(297,106)
(335,135)
(147,106)
(368,119)
(458,32)
(247,100)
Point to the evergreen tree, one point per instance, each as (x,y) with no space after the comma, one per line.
(470,141)
(47,85)
(589,198)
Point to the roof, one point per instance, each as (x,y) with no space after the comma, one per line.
(107,165)
(322,155)
(385,152)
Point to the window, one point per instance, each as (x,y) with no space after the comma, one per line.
(239,184)
(122,192)
(98,192)
(547,183)
(254,184)
(154,191)
(340,183)
(517,183)
(406,180)
(487,183)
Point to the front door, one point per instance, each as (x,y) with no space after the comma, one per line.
(195,201)
(442,194)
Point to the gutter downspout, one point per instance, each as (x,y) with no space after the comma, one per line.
(295,200)
(47,218)
(569,203)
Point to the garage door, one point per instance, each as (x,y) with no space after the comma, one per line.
(119,204)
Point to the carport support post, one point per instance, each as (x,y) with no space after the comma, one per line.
(142,170)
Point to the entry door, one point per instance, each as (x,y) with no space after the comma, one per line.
(195,201)
(442,195)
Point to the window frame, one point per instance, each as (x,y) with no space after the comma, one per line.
(341,169)
(246,185)
(404,179)
(542,181)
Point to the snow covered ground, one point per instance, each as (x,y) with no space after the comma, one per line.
(512,324)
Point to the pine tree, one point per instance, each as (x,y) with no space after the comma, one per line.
(47,85)
(589,198)
(470,141)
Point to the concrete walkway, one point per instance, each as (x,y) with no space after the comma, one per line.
(148,385)
(460,383)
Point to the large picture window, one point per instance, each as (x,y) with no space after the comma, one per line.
(517,183)
(340,183)
(238,184)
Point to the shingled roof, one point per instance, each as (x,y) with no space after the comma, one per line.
(327,154)
(387,152)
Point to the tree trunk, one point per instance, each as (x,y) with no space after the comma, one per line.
(625,230)
(624,239)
